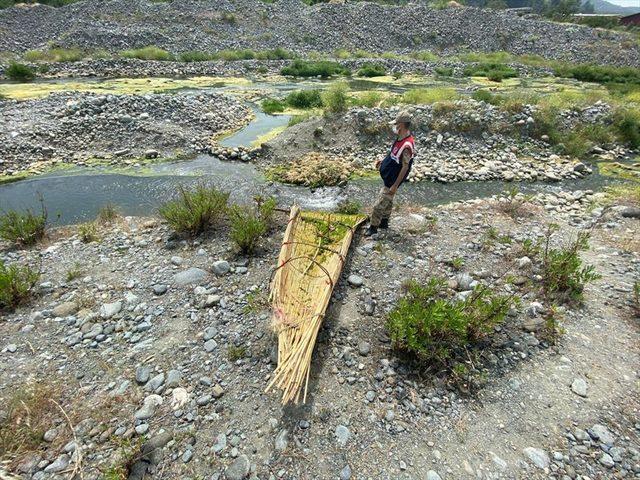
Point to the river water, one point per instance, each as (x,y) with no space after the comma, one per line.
(77,195)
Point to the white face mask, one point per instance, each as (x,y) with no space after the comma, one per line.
(395,129)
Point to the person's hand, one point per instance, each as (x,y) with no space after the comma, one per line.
(392,190)
(378,163)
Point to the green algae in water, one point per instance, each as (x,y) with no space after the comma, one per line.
(117,86)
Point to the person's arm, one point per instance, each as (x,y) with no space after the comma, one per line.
(406,158)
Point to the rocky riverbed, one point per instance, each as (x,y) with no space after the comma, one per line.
(191,25)
(158,349)
(76,128)
(456,141)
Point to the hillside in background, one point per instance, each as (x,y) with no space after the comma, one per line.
(602,6)
(186,25)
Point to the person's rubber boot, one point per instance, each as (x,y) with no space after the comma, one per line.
(371,231)
(384,223)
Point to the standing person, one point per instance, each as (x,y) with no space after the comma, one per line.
(394,170)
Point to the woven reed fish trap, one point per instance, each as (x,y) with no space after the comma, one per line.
(312,256)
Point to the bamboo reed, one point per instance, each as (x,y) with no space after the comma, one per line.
(311,259)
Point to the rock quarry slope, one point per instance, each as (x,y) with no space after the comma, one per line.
(186,25)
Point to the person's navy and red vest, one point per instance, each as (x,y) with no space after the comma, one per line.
(392,164)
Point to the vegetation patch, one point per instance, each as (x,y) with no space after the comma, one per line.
(418,96)
(57,55)
(27,414)
(23,228)
(249,224)
(496,72)
(371,70)
(599,73)
(19,72)
(16,287)
(236,55)
(349,207)
(195,211)
(428,324)
(272,105)
(312,170)
(149,53)
(88,232)
(323,69)
(305,99)
(107,214)
(336,98)
(563,273)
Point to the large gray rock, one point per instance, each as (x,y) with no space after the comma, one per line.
(342,435)
(220,267)
(65,309)
(239,469)
(537,456)
(602,434)
(109,310)
(190,276)
(631,212)
(433,475)
(282,440)
(579,387)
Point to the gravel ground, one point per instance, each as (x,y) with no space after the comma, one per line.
(184,25)
(167,343)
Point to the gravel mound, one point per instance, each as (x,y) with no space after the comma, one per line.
(68,126)
(186,25)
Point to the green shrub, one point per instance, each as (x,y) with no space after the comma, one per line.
(305,99)
(434,328)
(16,285)
(626,122)
(349,207)
(23,228)
(324,69)
(495,72)
(296,119)
(56,55)
(335,98)
(236,353)
(425,56)
(368,99)
(599,73)
(229,18)
(88,232)
(562,271)
(195,211)
(485,96)
(196,56)
(546,122)
(149,53)
(248,225)
(19,72)
(108,213)
(371,70)
(444,71)
(582,138)
(76,271)
(272,105)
